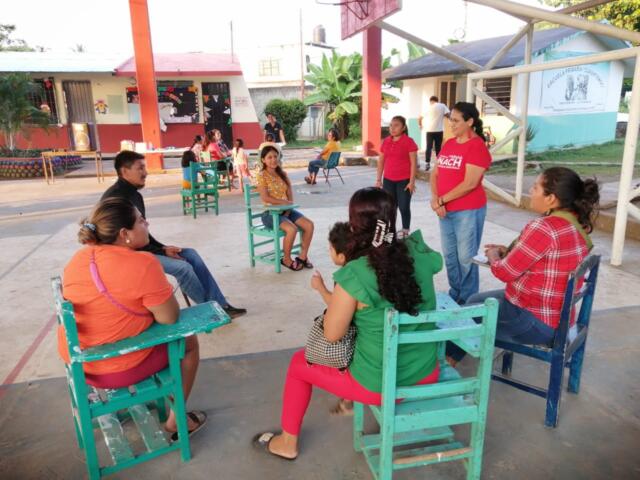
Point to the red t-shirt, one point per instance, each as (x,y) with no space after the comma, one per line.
(397,164)
(452,163)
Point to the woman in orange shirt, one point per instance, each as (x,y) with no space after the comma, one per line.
(118,292)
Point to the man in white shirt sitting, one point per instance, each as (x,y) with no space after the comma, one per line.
(435,127)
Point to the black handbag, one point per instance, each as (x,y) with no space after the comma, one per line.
(321,351)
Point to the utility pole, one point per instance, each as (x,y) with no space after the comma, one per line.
(301,61)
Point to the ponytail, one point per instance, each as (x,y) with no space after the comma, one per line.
(574,194)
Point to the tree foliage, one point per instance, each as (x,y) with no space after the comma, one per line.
(290,114)
(16,109)
(338,83)
(621,13)
(8,44)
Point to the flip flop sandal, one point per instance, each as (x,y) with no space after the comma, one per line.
(261,442)
(294,265)
(305,263)
(341,409)
(198,417)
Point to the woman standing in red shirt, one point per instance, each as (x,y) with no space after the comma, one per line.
(537,265)
(398,162)
(459,200)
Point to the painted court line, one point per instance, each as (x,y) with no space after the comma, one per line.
(26,356)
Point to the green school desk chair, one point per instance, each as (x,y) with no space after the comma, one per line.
(106,409)
(255,228)
(332,164)
(428,411)
(203,192)
(220,170)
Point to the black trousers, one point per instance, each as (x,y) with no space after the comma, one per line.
(402,198)
(433,138)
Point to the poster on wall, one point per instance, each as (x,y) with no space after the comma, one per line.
(176,104)
(579,89)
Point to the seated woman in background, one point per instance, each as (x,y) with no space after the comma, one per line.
(537,265)
(136,294)
(333,145)
(196,146)
(381,272)
(275,189)
(187,157)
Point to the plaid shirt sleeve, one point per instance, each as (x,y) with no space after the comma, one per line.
(535,241)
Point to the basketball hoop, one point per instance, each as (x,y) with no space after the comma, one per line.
(360,12)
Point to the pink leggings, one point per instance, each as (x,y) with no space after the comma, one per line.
(302,377)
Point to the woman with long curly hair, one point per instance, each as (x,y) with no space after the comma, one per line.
(381,272)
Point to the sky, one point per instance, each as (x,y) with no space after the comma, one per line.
(102,26)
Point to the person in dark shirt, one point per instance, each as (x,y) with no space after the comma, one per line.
(274,128)
(185,264)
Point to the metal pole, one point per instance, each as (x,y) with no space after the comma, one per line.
(626,173)
(469,92)
(524,111)
(301,61)
(561,19)
(231,34)
(508,46)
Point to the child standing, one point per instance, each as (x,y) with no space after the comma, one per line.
(338,238)
(240,161)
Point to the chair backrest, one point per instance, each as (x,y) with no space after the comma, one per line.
(250,195)
(449,328)
(65,316)
(581,286)
(334,159)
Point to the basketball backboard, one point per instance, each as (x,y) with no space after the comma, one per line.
(357,15)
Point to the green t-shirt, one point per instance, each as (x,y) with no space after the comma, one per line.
(359,280)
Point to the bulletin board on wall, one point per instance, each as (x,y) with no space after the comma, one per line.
(176,104)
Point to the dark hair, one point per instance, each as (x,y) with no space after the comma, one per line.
(339,236)
(208,139)
(281,173)
(469,110)
(574,194)
(125,159)
(196,139)
(269,137)
(187,157)
(105,222)
(402,120)
(433,98)
(334,133)
(239,142)
(391,261)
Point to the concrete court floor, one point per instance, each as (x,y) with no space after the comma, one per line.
(599,432)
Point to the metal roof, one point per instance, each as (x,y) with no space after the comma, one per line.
(481,51)
(187,64)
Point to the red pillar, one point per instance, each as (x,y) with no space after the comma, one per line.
(371,90)
(146,79)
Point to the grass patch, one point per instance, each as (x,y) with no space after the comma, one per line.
(347,143)
(577,159)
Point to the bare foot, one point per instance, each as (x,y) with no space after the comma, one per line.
(343,408)
(284,445)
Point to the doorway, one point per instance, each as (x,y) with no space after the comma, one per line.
(79,103)
(216,102)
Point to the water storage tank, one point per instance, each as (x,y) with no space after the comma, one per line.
(319,35)
(81,137)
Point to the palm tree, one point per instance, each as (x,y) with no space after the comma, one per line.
(16,109)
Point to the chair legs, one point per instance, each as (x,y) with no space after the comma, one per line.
(358,425)
(555,389)
(575,369)
(507,363)
(474,465)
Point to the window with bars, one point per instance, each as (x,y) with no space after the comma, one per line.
(269,67)
(44,97)
(500,90)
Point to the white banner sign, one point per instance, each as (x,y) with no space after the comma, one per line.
(580,89)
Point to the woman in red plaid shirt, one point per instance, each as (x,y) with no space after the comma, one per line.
(537,265)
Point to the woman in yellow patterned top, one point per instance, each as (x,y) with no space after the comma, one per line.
(275,188)
(333,145)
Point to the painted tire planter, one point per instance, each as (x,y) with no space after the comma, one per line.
(32,166)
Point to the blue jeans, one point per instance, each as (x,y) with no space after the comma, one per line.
(515,324)
(193,276)
(315,165)
(460,234)
(402,197)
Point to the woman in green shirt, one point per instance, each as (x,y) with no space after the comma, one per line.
(381,272)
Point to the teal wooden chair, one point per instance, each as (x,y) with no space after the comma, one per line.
(107,409)
(203,192)
(268,240)
(332,164)
(220,170)
(427,412)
